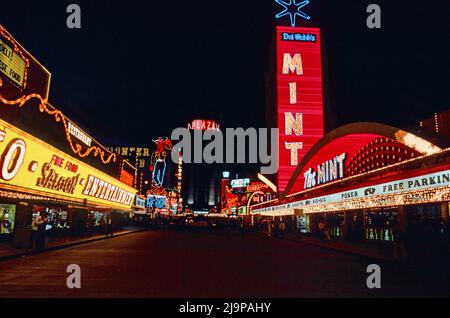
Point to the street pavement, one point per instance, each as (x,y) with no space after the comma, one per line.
(218,264)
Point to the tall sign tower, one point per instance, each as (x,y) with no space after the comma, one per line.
(299,89)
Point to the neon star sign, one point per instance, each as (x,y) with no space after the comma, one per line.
(292,8)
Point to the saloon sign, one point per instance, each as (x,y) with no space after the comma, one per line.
(27,163)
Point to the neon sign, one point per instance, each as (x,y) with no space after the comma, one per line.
(326,172)
(29,164)
(201,124)
(17,67)
(299,101)
(398,192)
(240,183)
(12,64)
(140,202)
(292,8)
(79,134)
(156,201)
(158,161)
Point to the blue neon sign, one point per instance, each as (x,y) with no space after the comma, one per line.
(292,8)
(156,201)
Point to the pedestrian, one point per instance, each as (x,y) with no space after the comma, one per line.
(327,231)
(109,226)
(38,227)
(399,245)
(269,229)
(34,229)
(321,227)
(282,228)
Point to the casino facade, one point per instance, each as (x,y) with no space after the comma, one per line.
(362,180)
(48,164)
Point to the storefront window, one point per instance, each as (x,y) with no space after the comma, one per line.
(7,217)
(379,224)
(335,222)
(425,219)
(97,219)
(356,225)
(303,224)
(56,217)
(426,213)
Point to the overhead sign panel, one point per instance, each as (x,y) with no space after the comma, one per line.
(299,96)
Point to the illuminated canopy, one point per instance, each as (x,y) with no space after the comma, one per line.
(366,146)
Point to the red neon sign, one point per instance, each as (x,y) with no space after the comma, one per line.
(203,124)
(348,145)
(300,100)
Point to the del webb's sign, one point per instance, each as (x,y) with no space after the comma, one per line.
(28,162)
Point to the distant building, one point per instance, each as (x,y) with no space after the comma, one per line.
(139,158)
(438,124)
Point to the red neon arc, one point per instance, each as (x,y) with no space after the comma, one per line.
(348,144)
(358,153)
(299,91)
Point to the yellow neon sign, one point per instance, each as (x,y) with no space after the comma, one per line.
(31,164)
(11,64)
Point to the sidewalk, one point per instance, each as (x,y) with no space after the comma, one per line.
(7,251)
(366,249)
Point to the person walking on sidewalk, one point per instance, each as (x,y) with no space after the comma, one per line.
(269,228)
(321,227)
(109,226)
(34,229)
(38,227)
(327,232)
(281,228)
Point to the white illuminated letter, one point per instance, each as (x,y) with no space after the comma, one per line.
(308,179)
(294,147)
(333,171)
(294,65)
(293,124)
(293,93)
(87,188)
(321,174)
(340,160)
(13,159)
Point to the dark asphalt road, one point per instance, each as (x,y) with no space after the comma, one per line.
(174,264)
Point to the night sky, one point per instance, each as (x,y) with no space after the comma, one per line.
(138,69)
